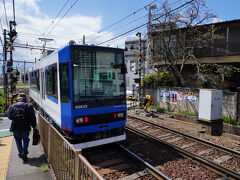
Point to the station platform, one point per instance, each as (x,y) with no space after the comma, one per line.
(12,167)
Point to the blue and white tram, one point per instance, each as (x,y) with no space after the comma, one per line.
(82,89)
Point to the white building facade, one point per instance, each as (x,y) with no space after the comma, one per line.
(132,63)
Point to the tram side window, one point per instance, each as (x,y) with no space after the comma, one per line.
(37,80)
(64,83)
(51,80)
(34,80)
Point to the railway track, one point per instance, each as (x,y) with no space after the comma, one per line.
(117,162)
(224,161)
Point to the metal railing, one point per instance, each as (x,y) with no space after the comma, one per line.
(132,103)
(65,161)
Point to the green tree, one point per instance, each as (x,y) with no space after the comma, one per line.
(164,78)
(178,36)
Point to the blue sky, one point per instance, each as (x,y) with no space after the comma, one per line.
(225,9)
(88,17)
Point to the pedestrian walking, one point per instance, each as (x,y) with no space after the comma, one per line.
(23,118)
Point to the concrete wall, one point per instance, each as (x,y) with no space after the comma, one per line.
(230,104)
(190,100)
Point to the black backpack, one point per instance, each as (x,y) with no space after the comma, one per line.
(19,114)
(19,122)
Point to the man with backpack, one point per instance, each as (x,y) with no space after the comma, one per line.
(23,118)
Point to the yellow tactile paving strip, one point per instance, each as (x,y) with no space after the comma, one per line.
(5,151)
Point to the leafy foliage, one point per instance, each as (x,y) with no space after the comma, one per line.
(159,109)
(188,113)
(154,80)
(2,100)
(210,81)
(211,75)
(44,167)
(231,121)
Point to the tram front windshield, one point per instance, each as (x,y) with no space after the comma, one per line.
(97,78)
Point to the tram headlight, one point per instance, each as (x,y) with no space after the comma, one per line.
(79,120)
(120,115)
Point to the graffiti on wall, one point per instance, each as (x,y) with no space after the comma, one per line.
(176,96)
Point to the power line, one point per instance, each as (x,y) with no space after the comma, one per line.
(145,24)
(4,5)
(118,28)
(53,36)
(55,17)
(123,19)
(28,46)
(19,61)
(175,2)
(61,18)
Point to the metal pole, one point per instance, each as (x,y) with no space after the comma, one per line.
(13,11)
(140,68)
(84,40)
(11,59)
(4,67)
(24,80)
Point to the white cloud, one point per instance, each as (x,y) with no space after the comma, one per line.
(216,19)
(32,22)
(28,5)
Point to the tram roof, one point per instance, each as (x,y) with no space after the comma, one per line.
(90,46)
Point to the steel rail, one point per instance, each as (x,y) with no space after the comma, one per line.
(221,170)
(228,150)
(149,166)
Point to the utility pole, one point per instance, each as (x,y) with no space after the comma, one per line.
(45,40)
(84,40)
(5,81)
(24,77)
(12,77)
(149,30)
(140,68)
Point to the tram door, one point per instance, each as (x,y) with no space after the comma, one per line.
(42,85)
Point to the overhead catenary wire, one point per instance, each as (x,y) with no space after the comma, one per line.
(145,24)
(55,17)
(52,36)
(119,27)
(29,46)
(61,18)
(122,19)
(175,2)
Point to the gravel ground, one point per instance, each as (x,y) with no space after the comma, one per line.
(192,129)
(214,154)
(185,169)
(140,125)
(197,148)
(104,154)
(233,164)
(147,178)
(160,133)
(121,174)
(170,162)
(183,142)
